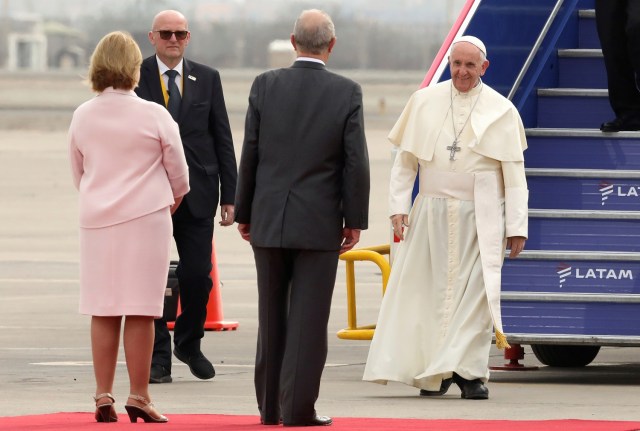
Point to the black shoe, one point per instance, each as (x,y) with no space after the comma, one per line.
(159,374)
(471,389)
(198,364)
(444,387)
(315,421)
(620,124)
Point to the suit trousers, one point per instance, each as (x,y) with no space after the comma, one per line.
(618,23)
(193,237)
(295,288)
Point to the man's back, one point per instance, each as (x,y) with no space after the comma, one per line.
(303,195)
(305,126)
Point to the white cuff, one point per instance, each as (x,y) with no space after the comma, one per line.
(516,211)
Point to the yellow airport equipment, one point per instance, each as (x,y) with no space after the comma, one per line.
(373,254)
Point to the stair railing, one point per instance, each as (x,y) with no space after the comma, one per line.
(536,47)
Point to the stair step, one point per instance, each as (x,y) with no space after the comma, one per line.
(608,215)
(565,107)
(587,31)
(582,68)
(572,297)
(582,149)
(582,173)
(575,132)
(580,53)
(577,255)
(584,189)
(587,13)
(574,92)
(584,230)
(556,273)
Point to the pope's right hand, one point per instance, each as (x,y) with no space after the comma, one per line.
(399,222)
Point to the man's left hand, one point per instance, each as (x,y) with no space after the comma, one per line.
(350,238)
(516,245)
(227,213)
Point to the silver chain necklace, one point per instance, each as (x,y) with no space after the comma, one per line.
(456,135)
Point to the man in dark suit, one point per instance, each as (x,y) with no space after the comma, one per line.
(302,198)
(193,94)
(618,23)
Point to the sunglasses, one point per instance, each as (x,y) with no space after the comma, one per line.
(166,34)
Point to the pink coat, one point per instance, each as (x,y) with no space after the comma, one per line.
(126,158)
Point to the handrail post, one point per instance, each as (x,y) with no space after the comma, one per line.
(371,254)
(352,320)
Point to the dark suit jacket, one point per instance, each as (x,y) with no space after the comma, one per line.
(205,133)
(304,170)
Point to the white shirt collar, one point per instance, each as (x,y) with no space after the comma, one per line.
(473,92)
(163,67)
(315,60)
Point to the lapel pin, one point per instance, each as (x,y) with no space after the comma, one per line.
(193,78)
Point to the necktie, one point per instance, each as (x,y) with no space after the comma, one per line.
(174,94)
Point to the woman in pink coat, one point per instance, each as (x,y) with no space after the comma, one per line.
(128,164)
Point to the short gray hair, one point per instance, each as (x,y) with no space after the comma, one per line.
(311,36)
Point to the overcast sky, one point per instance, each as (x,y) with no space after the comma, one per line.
(380,10)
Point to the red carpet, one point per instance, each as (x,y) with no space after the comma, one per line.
(84,421)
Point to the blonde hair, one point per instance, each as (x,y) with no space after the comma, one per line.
(115,62)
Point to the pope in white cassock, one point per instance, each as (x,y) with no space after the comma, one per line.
(442,301)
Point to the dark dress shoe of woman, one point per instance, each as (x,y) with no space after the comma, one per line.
(444,387)
(315,421)
(105,412)
(471,389)
(147,412)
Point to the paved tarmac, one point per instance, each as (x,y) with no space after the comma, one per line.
(45,359)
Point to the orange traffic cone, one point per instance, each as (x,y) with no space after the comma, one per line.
(215,319)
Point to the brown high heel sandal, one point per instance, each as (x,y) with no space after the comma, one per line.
(148,413)
(105,412)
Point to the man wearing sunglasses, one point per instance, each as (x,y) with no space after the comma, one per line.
(193,95)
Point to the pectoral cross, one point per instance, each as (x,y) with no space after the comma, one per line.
(453,148)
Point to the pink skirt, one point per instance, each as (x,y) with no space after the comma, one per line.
(124,268)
